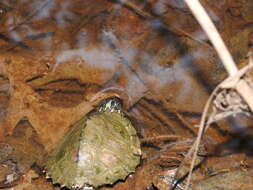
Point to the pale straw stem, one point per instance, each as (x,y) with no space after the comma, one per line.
(208,26)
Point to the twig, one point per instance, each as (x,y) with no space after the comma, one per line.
(234,80)
(202,128)
(151,17)
(208,26)
(161,137)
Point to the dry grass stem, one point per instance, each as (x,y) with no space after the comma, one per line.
(161,137)
(149,16)
(211,31)
(241,86)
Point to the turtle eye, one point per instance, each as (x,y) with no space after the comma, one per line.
(113,104)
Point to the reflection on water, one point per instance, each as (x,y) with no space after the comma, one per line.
(104,34)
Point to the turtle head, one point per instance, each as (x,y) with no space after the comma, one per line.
(112,104)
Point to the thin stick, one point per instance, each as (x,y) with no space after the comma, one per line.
(226,58)
(208,26)
(202,128)
(161,137)
(149,16)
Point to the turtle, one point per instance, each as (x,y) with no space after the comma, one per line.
(101,148)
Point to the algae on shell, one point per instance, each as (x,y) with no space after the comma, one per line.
(100,149)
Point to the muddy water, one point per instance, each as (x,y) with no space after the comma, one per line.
(60,58)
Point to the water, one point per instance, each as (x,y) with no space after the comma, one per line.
(60,58)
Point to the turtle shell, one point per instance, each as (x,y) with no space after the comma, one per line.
(100,149)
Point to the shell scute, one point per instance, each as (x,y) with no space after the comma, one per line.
(97,151)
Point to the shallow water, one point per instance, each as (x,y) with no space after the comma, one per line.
(60,58)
